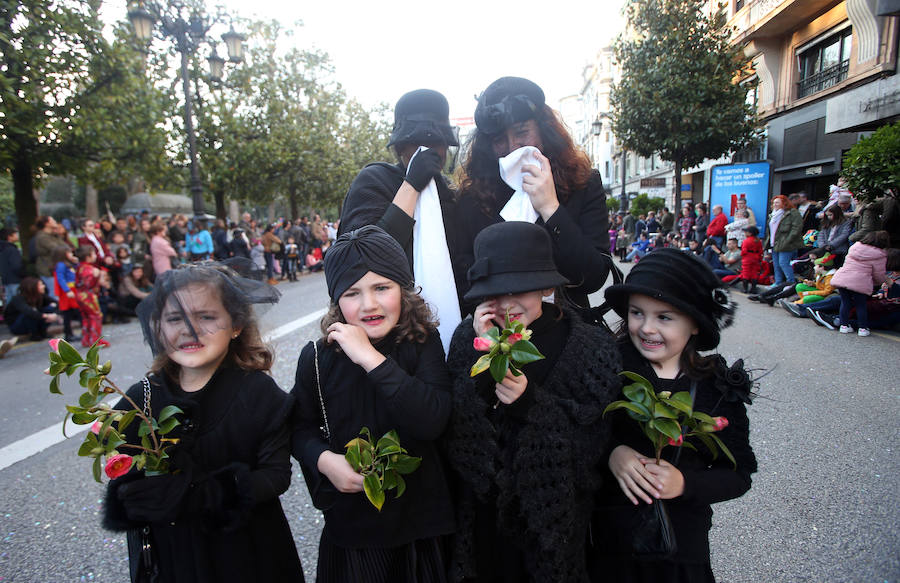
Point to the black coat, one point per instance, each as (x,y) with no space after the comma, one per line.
(11,268)
(535,464)
(370,202)
(410,393)
(227,524)
(579,230)
(706,481)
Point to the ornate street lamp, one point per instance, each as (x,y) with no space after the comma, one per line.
(188,34)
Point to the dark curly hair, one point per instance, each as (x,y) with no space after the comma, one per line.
(415,324)
(481,175)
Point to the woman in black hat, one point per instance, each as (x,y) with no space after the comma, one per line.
(387,195)
(673,306)
(565,191)
(527,451)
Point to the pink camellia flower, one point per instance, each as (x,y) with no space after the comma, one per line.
(483,344)
(54,344)
(676,442)
(513,338)
(720,423)
(118,465)
(95,428)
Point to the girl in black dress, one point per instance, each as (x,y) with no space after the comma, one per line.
(216,517)
(673,306)
(379,364)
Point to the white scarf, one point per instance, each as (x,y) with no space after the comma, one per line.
(773,224)
(431,261)
(518,207)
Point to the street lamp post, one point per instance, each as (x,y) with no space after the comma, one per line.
(189,33)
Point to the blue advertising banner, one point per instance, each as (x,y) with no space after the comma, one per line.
(752,182)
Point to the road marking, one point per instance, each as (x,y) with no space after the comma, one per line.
(50,436)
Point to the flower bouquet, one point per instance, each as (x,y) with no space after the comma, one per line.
(382,464)
(106,437)
(507,349)
(667,419)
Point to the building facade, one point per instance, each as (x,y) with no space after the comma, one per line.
(826,72)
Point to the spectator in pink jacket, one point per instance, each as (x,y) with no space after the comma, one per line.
(864,269)
(161,251)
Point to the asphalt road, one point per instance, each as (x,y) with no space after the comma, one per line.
(822,508)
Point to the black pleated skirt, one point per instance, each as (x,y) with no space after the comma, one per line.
(421,561)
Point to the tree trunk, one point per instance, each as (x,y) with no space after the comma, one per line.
(234,211)
(292,198)
(677,162)
(91,202)
(25,199)
(219,196)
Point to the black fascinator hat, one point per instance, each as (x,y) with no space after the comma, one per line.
(684,281)
(506,101)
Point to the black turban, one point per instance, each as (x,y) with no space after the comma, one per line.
(363,250)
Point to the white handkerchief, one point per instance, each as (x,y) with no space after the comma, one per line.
(518,207)
(431,261)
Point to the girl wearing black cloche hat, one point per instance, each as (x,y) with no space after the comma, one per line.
(527,451)
(673,307)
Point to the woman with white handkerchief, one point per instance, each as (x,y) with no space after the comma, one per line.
(522,165)
(412,202)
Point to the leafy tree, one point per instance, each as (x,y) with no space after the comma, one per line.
(613,203)
(677,93)
(872,165)
(67,100)
(643,203)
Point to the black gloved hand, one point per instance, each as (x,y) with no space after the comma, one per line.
(425,166)
(223,498)
(156,498)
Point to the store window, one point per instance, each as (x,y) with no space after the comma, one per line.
(824,64)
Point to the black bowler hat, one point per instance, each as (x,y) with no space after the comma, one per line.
(684,281)
(422,117)
(506,101)
(510,258)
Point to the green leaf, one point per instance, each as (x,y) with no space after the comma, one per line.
(633,376)
(389,480)
(83,418)
(724,449)
(87,400)
(498,367)
(662,410)
(636,392)
(667,427)
(353,458)
(481,365)
(374,492)
(57,368)
(87,445)
(703,418)
(126,419)
(139,461)
(406,464)
(493,334)
(97,464)
(68,353)
(523,352)
(401,486)
(54,385)
(685,408)
(640,410)
(92,357)
(168,425)
(168,412)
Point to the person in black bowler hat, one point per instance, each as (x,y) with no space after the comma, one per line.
(566,193)
(527,452)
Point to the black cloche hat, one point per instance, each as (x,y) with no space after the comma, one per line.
(422,117)
(512,257)
(684,281)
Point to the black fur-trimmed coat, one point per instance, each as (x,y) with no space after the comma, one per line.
(539,461)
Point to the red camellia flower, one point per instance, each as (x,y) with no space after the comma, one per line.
(513,338)
(720,423)
(118,465)
(54,344)
(676,442)
(482,344)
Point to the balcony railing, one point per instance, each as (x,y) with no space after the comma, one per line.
(823,80)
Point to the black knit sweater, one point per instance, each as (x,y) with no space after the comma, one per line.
(537,462)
